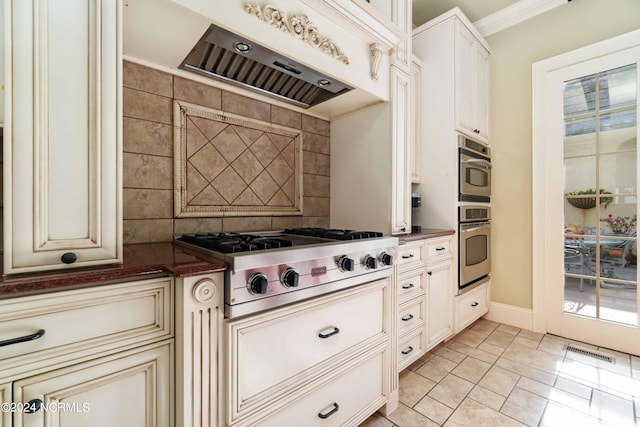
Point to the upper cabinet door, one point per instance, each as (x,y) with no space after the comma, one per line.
(2,27)
(471,85)
(62,144)
(415,154)
(482,92)
(401,135)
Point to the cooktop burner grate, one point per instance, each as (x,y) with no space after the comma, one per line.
(233,242)
(334,233)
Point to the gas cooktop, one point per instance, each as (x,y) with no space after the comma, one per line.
(230,243)
(272,268)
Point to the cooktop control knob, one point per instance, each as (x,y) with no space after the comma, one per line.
(257,284)
(369,262)
(345,263)
(289,278)
(386,259)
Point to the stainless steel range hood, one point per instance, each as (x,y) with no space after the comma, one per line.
(224,56)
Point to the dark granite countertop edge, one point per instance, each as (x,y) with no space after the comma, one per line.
(141,261)
(426,233)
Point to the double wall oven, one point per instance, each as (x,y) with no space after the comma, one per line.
(475,171)
(474,245)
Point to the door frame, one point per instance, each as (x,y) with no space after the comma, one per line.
(542,235)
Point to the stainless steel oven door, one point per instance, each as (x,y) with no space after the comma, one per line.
(475,253)
(475,177)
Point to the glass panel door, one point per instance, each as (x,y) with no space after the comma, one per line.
(600,195)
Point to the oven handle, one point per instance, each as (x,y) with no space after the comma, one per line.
(485,163)
(469,230)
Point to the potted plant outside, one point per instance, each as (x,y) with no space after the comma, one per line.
(588,202)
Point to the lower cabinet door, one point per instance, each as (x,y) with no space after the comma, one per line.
(132,389)
(337,402)
(5,399)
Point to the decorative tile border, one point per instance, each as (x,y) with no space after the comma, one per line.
(230,165)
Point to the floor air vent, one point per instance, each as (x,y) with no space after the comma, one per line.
(590,353)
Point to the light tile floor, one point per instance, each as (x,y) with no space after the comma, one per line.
(497,375)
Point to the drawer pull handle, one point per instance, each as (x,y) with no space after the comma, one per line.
(407,256)
(407,350)
(440,249)
(429,273)
(474,304)
(25,338)
(326,415)
(407,317)
(407,286)
(334,332)
(32,406)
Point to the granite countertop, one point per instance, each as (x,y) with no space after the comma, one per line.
(141,261)
(426,233)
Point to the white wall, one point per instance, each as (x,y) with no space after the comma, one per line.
(575,24)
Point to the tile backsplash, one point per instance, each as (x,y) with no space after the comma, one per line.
(148,157)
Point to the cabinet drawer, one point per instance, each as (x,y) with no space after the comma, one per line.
(410,254)
(132,388)
(411,314)
(338,401)
(471,305)
(411,284)
(271,349)
(81,323)
(438,248)
(411,349)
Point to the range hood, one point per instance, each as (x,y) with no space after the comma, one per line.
(224,56)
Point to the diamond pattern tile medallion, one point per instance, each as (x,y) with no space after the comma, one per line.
(229,165)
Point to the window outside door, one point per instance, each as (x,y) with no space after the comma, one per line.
(600,209)
(586,194)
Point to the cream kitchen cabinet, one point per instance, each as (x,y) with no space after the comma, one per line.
(471,84)
(199,378)
(424,286)
(62,135)
(455,79)
(104,353)
(323,360)
(471,305)
(133,389)
(370,182)
(415,153)
(439,302)
(5,399)
(2,62)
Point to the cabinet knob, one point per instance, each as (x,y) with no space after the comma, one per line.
(32,406)
(68,257)
(429,273)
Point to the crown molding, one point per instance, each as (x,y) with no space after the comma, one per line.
(515,14)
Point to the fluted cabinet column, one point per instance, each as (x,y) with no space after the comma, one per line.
(199,316)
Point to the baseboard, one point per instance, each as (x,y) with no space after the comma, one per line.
(510,315)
